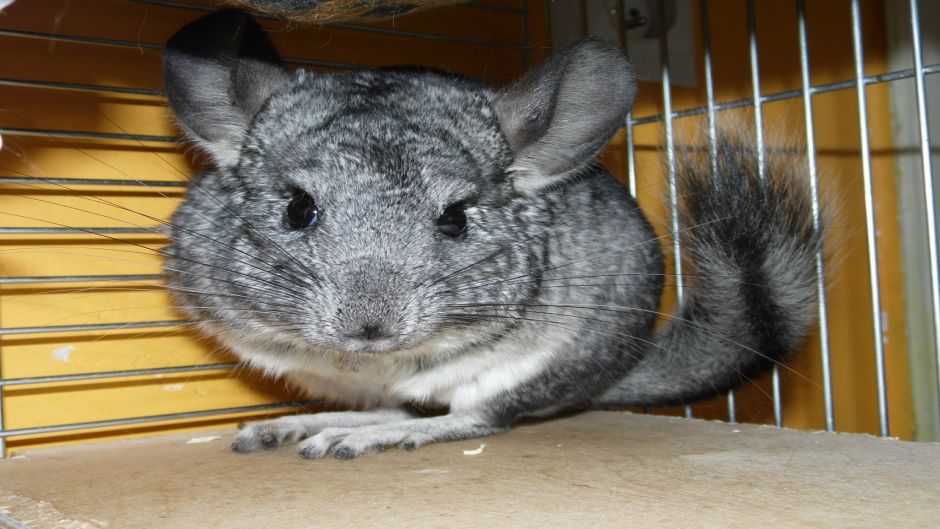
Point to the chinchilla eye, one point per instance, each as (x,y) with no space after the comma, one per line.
(302,212)
(453,222)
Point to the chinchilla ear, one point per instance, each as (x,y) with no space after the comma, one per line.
(219,70)
(559,115)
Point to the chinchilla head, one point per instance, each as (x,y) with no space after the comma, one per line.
(354,213)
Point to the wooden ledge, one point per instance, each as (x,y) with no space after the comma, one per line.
(596,470)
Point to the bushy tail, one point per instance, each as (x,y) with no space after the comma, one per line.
(749,250)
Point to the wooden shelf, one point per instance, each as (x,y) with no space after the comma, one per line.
(596,470)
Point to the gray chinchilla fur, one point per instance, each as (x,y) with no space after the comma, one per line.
(405,239)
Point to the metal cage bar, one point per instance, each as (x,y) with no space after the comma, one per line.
(671,159)
(46,329)
(35,180)
(38,230)
(118,43)
(631,161)
(875,283)
(825,356)
(930,196)
(712,131)
(793,94)
(56,85)
(114,374)
(79,279)
(754,57)
(72,427)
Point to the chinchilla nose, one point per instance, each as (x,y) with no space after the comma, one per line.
(370,331)
(375,301)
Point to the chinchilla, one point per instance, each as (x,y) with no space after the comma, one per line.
(396,240)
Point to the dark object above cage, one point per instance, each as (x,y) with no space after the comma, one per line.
(332,11)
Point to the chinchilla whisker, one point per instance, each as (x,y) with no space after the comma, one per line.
(619,337)
(240,285)
(543,279)
(581,285)
(624,339)
(252,228)
(626,249)
(144,282)
(544,282)
(196,185)
(197,233)
(131,243)
(474,317)
(627,310)
(514,317)
(132,287)
(550,231)
(152,307)
(163,222)
(222,295)
(272,325)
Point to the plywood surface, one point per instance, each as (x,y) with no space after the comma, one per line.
(603,469)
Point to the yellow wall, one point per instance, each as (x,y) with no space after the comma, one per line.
(31,355)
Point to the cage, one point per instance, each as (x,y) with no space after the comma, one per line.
(91,349)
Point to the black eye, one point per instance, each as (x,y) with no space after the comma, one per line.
(453,221)
(302,211)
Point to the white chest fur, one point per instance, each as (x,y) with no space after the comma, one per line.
(463,383)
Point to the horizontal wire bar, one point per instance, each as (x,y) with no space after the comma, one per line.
(90,327)
(90,181)
(740,103)
(118,43)
(29,83)
(357,27)
(76,39)
(78,279)
(114,374)
(155,418)
(792,94)
(71,231)
(87,135)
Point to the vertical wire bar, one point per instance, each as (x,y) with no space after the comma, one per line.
(712,131)
(870,218)
(761,162)
(631,174)
(709,89)
(927,173)
(814,190)
(631,161)
(755,87)
(671,160)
